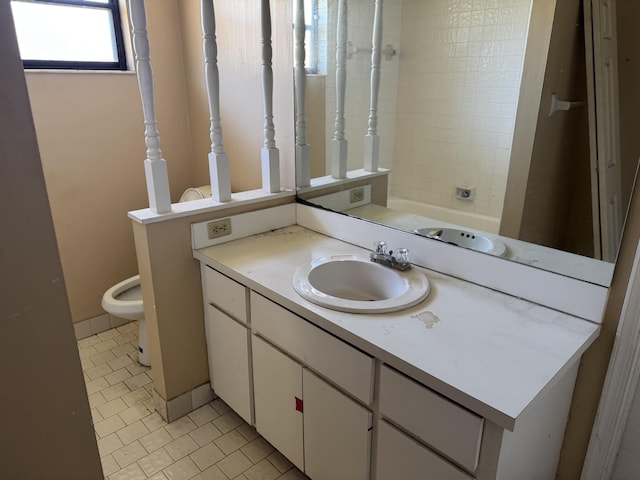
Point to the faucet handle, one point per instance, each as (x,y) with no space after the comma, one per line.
(380,247)
(402,255)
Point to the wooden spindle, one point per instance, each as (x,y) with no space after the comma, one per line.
(372,139)
(270,155)
(339,142)
(218,159)
(155,167)
(303,155)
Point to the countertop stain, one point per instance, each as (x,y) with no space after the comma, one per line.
(428,318)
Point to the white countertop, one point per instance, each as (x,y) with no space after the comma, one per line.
(488,351)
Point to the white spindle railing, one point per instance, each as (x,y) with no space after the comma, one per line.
(303,154)
(155,167)
(269,155)
(339,142)
(218,159)
(372,139)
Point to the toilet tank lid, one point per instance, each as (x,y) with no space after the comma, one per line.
(196,193)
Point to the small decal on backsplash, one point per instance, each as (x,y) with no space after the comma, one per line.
(428,318)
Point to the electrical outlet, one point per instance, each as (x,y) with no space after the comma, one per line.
(356,195)
(219,228)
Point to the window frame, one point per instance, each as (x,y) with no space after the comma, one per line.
(113,7)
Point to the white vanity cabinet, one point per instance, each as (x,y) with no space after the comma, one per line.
(228,339)
(323,431)
(482,394)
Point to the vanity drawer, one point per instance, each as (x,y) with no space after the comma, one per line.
(442,424)
(339,362)
(400,457)
(226,294)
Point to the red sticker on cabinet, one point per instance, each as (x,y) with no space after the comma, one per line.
(299,404)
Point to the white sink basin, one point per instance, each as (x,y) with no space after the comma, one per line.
(351,283)
(462,238)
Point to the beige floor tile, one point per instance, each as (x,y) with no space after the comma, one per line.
(87,342)
(132,432)
(120,362)
(155,462)
(112,408)
(107,334)
(129,453)
(158,476)
(109,444)
(102,357)
(86,363)
(211,473)
(136,369)
(234,464)
(96,385)
(181,447)
(135,413)
(294,474)
(117,376)
(228,421)
(109,465)
(263,470)
(203,415)
(206,456)
(95,416)
(136,396)
(231,442)
(205,434)
(109,426)
(257,449)
(87,352)
(181,427)
(132,472)
(136,443)
(138,381)
(220,406)
(115,391)
(105,345)
(154,421)
(156,439)
(280,461)
(125,338)
(123,349)
(248,431)
(96,399)
(99,371)
(182,470)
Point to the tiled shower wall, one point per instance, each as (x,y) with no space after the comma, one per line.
(460,70)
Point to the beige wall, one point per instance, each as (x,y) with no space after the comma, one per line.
(90,132)
(47,429)
(172,295)
(239,57)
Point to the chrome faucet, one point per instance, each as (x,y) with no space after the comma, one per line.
(398,260)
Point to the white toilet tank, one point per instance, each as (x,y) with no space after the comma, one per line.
(196,193)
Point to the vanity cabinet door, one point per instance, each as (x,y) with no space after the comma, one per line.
(337,434)
(277,387)
(228,352)
(402,458)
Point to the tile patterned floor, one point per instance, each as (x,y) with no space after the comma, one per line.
(211,443)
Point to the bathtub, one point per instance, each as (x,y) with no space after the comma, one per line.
(443,214)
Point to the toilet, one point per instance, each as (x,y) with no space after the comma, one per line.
(124,300)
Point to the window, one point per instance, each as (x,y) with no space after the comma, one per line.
(70,34)
(315,17)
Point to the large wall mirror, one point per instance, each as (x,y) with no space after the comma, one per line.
(499,125)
